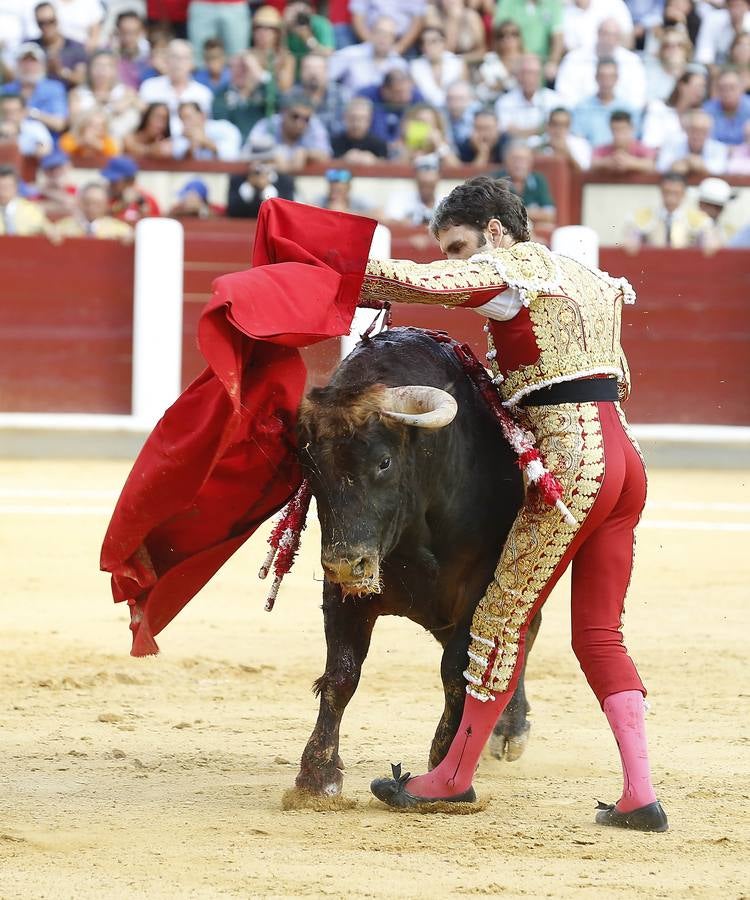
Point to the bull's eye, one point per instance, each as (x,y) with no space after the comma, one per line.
(385,463)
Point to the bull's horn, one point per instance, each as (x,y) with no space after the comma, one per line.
(424,407)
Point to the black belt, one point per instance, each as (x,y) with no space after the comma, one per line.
(583,391)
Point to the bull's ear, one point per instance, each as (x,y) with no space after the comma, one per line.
(419,405)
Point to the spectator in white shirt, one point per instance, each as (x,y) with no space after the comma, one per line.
(694,152)
(408,16)
(576,75)
(177,86)
(205,139)
(582,18)
(662,121)
(718,30)
(558,140)
(437,68)
(362,65)
(523,111)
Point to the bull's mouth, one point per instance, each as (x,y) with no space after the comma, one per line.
(372,584)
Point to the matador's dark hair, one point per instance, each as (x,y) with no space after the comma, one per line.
(478,200)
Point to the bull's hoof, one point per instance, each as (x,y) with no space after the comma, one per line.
(509,747)
(646,818)
(392,791)
(326,781)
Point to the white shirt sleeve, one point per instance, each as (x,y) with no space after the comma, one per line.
(502,307)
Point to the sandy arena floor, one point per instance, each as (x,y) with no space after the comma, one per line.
(163,777)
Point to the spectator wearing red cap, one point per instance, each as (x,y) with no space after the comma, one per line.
(128,201)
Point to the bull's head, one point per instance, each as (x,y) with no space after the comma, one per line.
(359,452)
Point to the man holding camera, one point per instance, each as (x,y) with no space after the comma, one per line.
(262,181)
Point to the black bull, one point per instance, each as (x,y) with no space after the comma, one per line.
(421,513)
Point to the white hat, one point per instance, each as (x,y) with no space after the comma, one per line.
(715,191)
(29,48)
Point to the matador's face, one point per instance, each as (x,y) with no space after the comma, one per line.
(461,241)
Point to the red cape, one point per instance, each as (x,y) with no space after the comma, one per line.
(222,459)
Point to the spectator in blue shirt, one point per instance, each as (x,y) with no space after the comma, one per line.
(45,99)
(730,108)
(215,71)
(389,103)
(591,116)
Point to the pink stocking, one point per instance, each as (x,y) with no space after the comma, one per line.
(625,714)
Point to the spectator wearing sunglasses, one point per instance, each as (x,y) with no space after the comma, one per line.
(339,193)
(66,59)
(290,139)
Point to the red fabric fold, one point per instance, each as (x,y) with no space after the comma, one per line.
(223,458)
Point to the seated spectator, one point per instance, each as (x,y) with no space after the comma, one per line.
(389,103)
(625,155)
(153,137)
(647,16)
(460,105)
(127,200)
(227,21)
(178,85)
(192,202)
(592,116)
(671,61)
(486,142)
(582,18)
(269,48)
(157,55)
(739,156)
(89,138)
(19,216)
(307,32)
(205,139)
(576,78)
(66,59)
(559,141)
(523,111)
(714,195)
(739,58)
(248,98)
(45,98)
(12,27)
(694,152)
(436,68)
(662,121)
(339,194)
(54,189)
(81,21)
(327,97)
(356,144)
(719,27)
(673,223)
(214,73)
(91,217)
(167,17)
(103,90)
(408,17)
(541,24)
(423,134)
(262,181)
(290,139)
(496,73)
(361,66)
(417,206)
(131,49)
(530,186)
(465,33)
(675,14)
(730,109)
(31,137)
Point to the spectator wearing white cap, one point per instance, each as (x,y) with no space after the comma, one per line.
(714,195)
(45,99)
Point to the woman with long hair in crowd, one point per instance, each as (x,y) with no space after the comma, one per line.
(89,137)
(495,74)
(152,138)
(104,89)
(462,25)
(662,120)
(437,68)
(664,68)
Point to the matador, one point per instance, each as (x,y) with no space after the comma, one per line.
(554,335)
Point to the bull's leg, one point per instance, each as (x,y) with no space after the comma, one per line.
(454,687)
(511,733)
(348,628)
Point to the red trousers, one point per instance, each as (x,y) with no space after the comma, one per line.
(588,447)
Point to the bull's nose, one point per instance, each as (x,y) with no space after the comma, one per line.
(343,569)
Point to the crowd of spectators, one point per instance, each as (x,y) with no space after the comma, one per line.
(620,86)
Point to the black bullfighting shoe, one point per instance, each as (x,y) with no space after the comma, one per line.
(393,792)
(646,818)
